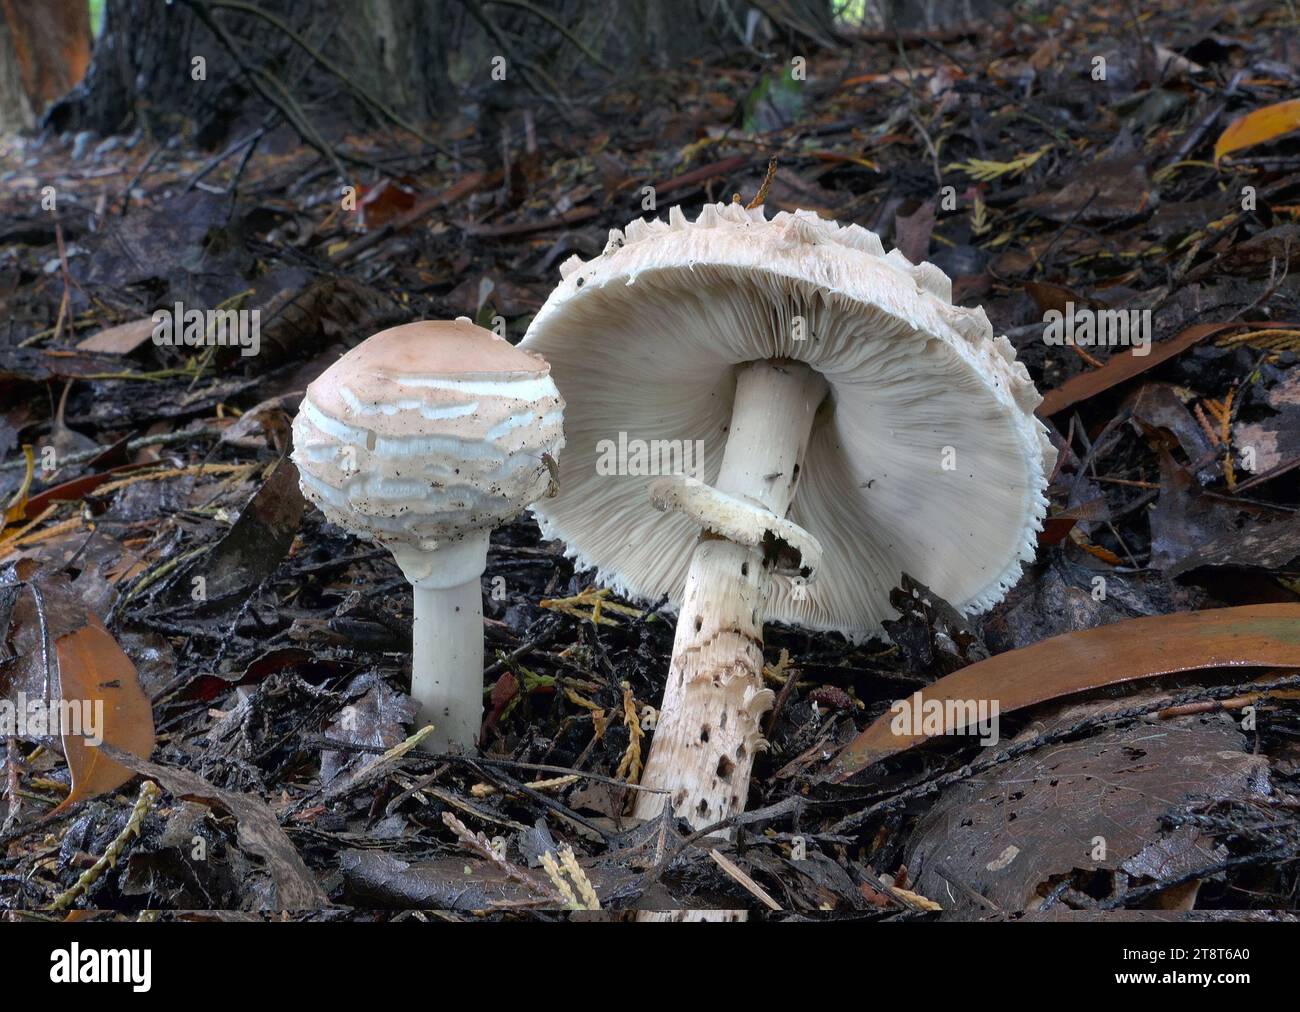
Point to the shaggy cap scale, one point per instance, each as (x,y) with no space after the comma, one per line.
(426,432)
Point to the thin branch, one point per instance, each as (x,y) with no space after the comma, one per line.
(358,89)
(288,108)
(555,23)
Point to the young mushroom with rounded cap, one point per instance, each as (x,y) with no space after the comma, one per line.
(854,423)
(424,438)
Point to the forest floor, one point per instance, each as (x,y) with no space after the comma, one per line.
(276,696)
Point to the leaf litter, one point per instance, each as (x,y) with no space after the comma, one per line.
(270,709)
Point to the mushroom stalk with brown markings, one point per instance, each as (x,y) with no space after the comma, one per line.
(708,729)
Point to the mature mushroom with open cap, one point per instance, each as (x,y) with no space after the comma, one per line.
(807,361)
(425,437)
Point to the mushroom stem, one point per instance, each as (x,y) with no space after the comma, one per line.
(708,730)
(447,640)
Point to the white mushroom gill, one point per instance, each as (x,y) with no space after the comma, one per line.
(656,358)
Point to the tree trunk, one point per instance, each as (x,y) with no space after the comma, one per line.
(158,66)
(44,51)
(413,56)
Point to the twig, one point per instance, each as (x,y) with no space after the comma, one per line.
(760,198)
(125,196)
(734,871)
(287,105)
(149,795)
(555,23)
(165,439)
(216,160)
(361,92)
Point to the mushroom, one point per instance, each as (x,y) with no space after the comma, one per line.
(424,437)
(854,424)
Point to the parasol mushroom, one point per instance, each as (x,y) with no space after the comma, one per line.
(855,425)
(424,437)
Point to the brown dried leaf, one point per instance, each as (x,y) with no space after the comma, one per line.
(1255,636)
(93,667)
(1119,368)
(1004,838)
(64,653)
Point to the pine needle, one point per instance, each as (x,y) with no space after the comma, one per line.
(629,767)
(986,171)
(760,198)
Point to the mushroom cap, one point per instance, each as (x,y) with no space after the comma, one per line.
(928,460)
(427,432)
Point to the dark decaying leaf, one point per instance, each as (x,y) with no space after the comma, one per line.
(251,549)
(378,879)
(373,716)
(1158,406)
(1108,190)
(912,231)
(1074,815)
(1271,253)
(292,885)
(1253,636)
(1192,528)
(931,633)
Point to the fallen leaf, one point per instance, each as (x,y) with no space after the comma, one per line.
(1108,190)
(252,548)
(1191,528)
(1119,368)
(1254,636)
(930,632)
(79,488)
(383,202)
(1047,295)
(119,340)
(1157,407)
(1258,126)
(912,232)
(1274,250)
(63,653)
(385,880)
(1005,838)
(373,716)
(92,667)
